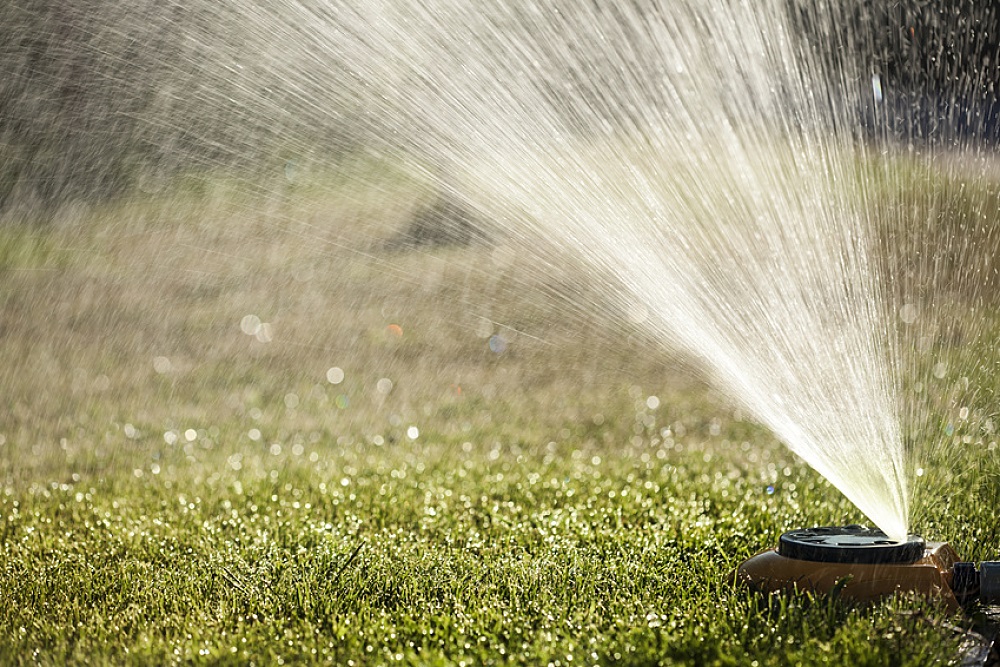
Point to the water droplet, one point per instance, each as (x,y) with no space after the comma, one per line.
(264,333)
(250,325)
(497,344)
(413,433)
(335,375)
(291,170)
(162,365)
(484,327)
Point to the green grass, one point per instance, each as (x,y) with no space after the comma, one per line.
(174,490)
(428,554)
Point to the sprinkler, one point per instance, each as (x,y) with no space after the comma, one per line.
(864,564)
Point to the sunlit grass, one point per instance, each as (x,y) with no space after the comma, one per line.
(427,553)
(491,478)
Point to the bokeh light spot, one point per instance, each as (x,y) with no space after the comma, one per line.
(250,325)
(497,344)
(162,365)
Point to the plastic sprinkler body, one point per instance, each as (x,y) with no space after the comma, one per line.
(863,564)
(970,583)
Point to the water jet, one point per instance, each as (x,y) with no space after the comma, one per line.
(863,564)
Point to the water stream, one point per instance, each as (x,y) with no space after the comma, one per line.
(717,168)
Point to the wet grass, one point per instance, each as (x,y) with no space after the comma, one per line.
(427,554)
(490,480)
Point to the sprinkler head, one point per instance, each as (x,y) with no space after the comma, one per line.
(849,544)
(863,564)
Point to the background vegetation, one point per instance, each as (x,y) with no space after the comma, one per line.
(99,98)
(487,479)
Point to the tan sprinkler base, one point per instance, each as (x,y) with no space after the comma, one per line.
(930,575)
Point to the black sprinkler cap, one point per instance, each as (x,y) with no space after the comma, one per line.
(849,544)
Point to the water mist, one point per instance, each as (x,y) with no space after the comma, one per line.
(708,164)
(699,160)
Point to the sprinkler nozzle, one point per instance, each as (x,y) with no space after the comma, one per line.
(864,564)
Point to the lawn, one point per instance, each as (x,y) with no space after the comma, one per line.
(248,430)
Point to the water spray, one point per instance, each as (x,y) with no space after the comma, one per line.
(863,564)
